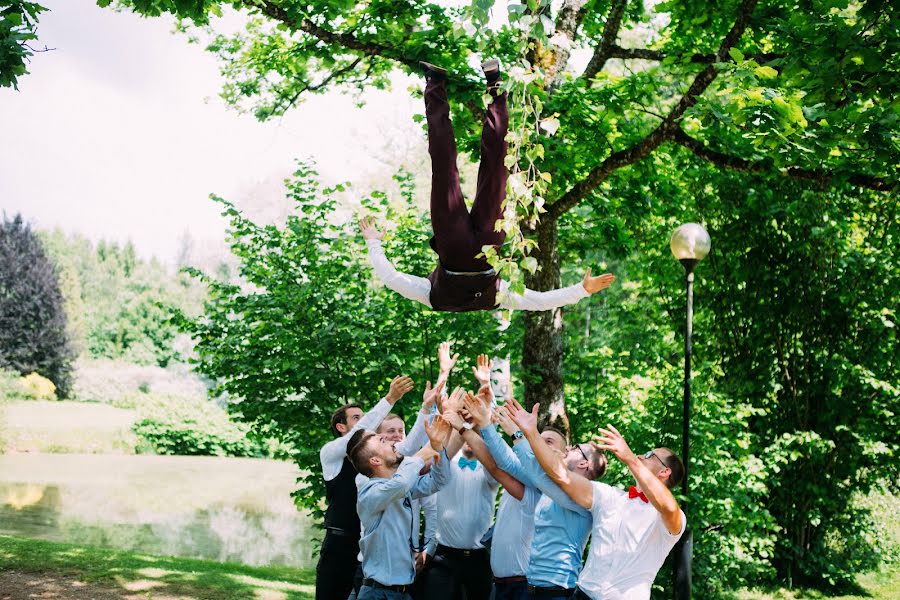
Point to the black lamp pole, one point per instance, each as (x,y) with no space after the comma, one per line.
(684,549)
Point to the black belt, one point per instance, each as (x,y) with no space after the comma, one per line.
(580,595)
(441,549)
(341,532)
(509,580)
(380,586)
(534,590)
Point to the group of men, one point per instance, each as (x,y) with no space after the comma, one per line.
(451,465)
(454,460)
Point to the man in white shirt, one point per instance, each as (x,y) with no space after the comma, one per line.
(632,531)
(338,555)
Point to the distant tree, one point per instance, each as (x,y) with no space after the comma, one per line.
(33,333)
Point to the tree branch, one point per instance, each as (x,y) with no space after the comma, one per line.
(607,40)
(664,130)
(313,87)
(345,40)
(740,164)
(658,55)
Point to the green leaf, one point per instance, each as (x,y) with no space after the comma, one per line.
(766,72)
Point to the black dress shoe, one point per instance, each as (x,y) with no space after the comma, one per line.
(433,72)
(491,70)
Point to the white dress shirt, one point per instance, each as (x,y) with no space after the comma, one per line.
(629,544)
(333,453)
(465,506)
(513,532)
(419,288)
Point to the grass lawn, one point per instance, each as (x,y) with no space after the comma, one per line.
(884,585)
(154,576)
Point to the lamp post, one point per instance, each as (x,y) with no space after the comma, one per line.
(690,245)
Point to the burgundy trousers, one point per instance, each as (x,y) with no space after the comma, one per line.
(458,233)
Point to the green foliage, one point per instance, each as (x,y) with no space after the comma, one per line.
(33,335)
(122,304)
(18,24)
(307,330)
(795,324)
(191,426)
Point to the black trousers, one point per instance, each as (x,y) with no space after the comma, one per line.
(337,566)
(459,234)
(452,570)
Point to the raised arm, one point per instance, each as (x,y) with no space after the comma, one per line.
(538,301)
(509,483)
(528,452)
(654,489)
(439,474)
(417,436)
(332,454)
(446,362)
(408,286)
(377,494)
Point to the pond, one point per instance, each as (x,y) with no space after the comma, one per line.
(227,509)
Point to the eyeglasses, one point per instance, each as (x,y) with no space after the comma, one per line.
(653,454)
(580,449)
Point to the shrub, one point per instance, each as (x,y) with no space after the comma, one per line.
(37,387)
(193,426)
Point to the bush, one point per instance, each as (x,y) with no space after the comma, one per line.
(37,387)
(192,426)
(123,384)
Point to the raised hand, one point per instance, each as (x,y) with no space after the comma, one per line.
(437,432)
(455,419)
(455,402)
(369,231)
(446,361)
(431,396)
(479,410)
(610,439)
(486,394)
(500,416)
(482,372)
(399,387)
(592,285)
(527,421)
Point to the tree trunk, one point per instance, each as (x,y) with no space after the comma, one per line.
(542,355)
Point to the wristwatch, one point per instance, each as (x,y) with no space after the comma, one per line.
(518,434)
(466,426)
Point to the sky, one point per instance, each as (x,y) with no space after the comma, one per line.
(118,133)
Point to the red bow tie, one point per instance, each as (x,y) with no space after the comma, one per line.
(634,493)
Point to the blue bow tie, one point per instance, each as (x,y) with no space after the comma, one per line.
(464,462)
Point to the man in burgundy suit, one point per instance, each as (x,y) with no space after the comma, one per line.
(462,282)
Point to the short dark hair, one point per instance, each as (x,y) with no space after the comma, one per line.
(390,417)
(556,431)
(359,453)
(598,462)
(340,416)
(674,464)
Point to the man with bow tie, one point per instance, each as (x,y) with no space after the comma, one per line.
(465,508)
(633,531)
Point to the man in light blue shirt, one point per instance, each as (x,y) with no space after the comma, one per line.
(384,504)
(561,527)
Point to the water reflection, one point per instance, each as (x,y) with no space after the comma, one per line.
(256,524)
